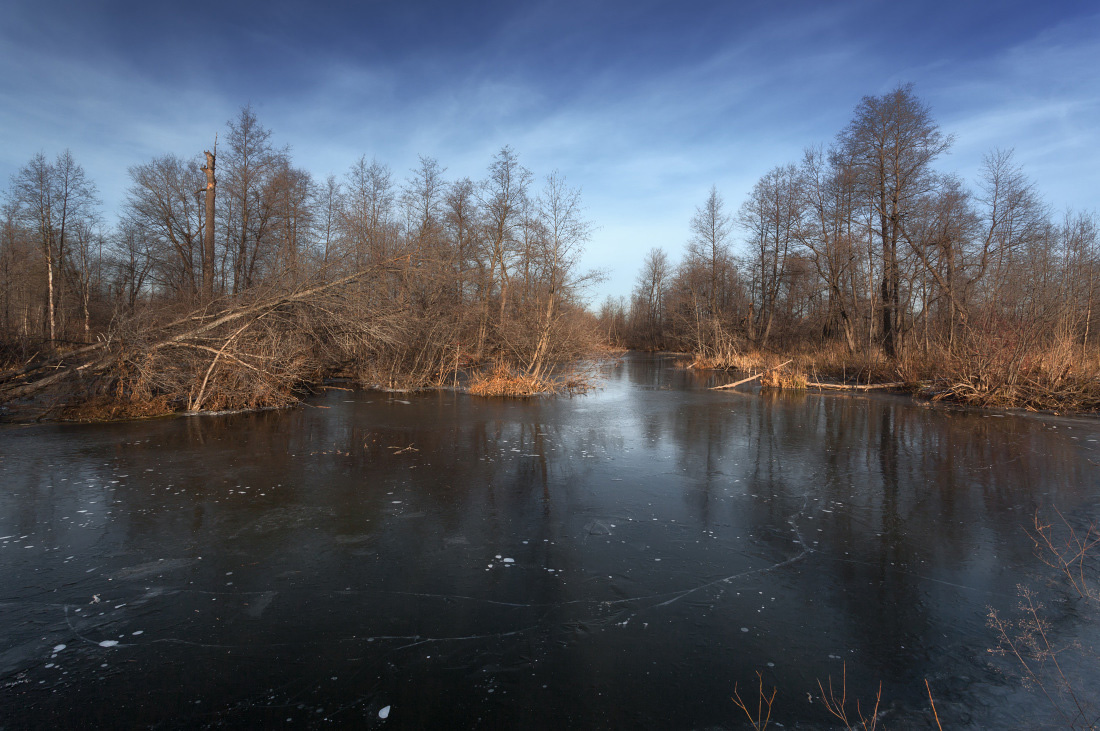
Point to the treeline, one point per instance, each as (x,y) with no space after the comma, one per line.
(411,280)
(865,260)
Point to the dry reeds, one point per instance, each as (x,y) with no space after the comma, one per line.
(1015,371)
(503,381)
(786,379)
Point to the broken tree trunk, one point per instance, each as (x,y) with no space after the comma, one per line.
(208,232)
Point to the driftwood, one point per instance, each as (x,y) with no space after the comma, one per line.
(750,378)
(856,387)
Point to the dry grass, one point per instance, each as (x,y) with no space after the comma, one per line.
(783,378)
(989,368)
(503,381)
(1013,371)
(727,361)
(827,361)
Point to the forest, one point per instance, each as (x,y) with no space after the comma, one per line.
(234,279)
(865,263)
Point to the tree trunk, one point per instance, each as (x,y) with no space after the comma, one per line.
(208,234)
(49,290)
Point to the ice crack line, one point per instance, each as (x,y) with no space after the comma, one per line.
(677,596)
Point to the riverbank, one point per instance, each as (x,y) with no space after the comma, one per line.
(1056,378)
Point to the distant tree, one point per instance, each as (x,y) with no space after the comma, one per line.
(828,233)
(164,203)
(248,165)
(367,216)
(503,198)
(709,244)
(503,202)
(648,300)
(131,258)
(328,201)
(51,198)
(291,195)
(772,217)
(462,227)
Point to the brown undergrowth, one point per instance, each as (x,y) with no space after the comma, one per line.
(1012,371)
(985,370)
(829,361)
(265,350)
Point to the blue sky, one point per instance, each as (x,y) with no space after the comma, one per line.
(644,105)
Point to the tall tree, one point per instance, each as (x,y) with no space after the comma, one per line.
(564,231)
(249,164)
(709,247)
(367,216)
(503,199)
(892,140)
(827,232)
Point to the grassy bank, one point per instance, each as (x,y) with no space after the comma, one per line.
(989,373)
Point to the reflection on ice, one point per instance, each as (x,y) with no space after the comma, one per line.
(632,553)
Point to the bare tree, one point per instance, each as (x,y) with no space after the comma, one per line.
(249,163)
(892,141)
(462,224)
(709,248)
(51,197)
(648,301)
(131,259)
(367,216)
(772,216)
(328,202)
(564,231)
(162,202)
(503,200)
(827,232)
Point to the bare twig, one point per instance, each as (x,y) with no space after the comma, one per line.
(763,714)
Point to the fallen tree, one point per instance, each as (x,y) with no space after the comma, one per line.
(251,354)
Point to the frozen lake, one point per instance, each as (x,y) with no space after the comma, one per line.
(616,560)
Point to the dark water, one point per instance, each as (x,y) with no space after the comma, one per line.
(618,560)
